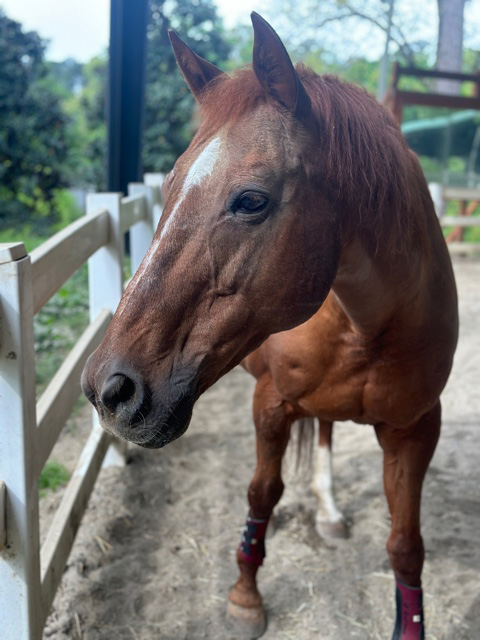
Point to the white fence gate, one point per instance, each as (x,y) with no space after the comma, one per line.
(30,575)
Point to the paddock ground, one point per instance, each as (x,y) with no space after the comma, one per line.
(154,557)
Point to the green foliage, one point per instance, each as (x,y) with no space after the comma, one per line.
(356,70)
(86,108)
(34,148)
(58,325)
(169,103)
(53,475)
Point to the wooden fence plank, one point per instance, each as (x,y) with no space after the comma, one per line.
(60,537)
(105,283)
(132,210)
(464,248)
(58,399)
(437,100)
(141,234)
(65,252)
(155,180)
(457,221)
(20,604)
(461,193)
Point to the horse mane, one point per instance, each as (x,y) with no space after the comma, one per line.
(363,159)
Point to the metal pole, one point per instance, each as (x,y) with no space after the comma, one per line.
(126,93)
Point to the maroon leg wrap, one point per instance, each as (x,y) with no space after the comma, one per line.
(252,544)
(409,622)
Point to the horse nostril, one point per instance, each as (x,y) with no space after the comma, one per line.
(117,389)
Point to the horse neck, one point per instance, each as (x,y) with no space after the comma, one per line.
(372,287)
(375,282)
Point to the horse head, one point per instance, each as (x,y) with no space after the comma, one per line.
(248,245)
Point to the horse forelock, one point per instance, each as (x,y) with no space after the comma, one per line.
(360,155)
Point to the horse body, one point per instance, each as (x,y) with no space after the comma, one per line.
(299,237)
(376,340)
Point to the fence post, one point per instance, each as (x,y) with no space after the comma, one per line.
(155,181)
(21,614)
(105,284)
(141,234)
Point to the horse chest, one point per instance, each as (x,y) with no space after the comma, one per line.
(335,375)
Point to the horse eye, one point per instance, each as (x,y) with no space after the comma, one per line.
(250,202)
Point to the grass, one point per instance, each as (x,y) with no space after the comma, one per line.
(53,475)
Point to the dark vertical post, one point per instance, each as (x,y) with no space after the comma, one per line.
(126,93)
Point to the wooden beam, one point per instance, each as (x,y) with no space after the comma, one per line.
(133,209)
(458,221)
(20,603)
(460,193)
(430,73)
(437,100)
(65,252)
(464,248)
(64,527)
(58,399)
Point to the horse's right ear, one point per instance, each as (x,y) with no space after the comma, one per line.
(196,71)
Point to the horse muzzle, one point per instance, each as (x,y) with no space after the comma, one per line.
(127,407)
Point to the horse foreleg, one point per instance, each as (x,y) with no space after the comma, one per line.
(272,424)
(330,521)
(406,459)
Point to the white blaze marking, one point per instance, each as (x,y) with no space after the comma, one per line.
(322,484)
(199,170)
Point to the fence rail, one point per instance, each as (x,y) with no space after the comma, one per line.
(469,200)
(29,576)
(65,252)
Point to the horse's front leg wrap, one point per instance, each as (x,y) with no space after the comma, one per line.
(409,622)
(252,544)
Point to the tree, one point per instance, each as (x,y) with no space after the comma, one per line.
(169,103)
(450,42)
(342,17)
(33,136)
(87,109)
(333,21)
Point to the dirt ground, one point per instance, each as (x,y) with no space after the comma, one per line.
(155,554)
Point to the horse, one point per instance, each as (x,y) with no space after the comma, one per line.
(299,239)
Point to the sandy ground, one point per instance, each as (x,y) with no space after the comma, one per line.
(154,557)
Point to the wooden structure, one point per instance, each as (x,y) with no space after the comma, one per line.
(397,98)
(30,575)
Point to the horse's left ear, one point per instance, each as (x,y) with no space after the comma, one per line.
(196,71)
(274,69)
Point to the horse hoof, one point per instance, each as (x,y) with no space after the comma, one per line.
(338,530)
(249,623)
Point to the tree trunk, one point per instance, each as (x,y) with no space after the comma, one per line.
(450,42)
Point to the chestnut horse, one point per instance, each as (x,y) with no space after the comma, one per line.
(299,237)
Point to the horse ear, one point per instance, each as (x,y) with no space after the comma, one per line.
(273,67)
(196,71)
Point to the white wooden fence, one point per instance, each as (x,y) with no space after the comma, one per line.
(441,196)
(30,575)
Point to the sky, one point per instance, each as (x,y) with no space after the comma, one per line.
(80,28)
